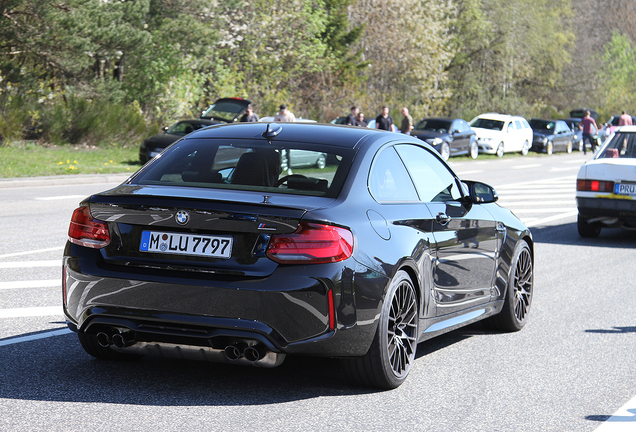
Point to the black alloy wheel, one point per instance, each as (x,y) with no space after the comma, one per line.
(392,353)
(516,308)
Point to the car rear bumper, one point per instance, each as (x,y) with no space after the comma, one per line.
(607,208)
(286,312)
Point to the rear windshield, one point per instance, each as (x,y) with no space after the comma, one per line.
(485,123)
(284,167)
(622,145)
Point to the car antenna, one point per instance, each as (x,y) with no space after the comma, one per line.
(272,130)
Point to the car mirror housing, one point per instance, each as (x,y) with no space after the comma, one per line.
(481,193)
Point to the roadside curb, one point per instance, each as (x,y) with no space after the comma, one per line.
(22,182)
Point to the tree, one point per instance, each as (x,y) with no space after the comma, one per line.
(618,75)
(511,54)
(407,44)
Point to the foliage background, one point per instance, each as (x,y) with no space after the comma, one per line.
(99,72)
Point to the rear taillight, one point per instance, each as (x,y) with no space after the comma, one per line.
(594,185)
(311,244)
(86,231)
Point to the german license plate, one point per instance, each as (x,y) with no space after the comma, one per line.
(186,244)
(625,188)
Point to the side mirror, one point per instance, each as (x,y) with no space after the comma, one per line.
(481,193)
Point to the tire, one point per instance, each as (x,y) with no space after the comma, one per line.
(581,145)
(568,147)
(473,152)
(500,150)
(92,347)
(514,314)
(525,148)
(392,353)
(586,229)
(321,163)
(445,151)
(549,148)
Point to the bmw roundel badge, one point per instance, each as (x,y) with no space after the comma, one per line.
(182,217)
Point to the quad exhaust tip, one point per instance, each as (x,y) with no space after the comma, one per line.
(239,351)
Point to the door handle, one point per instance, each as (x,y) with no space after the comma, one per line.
(442,218)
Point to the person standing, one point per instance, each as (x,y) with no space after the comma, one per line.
(407,122)
(384,121)
(249,115)
(625,119)
(360,120)
(284,115)
(588,125)
(351,118)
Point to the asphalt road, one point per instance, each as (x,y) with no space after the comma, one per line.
(570,369)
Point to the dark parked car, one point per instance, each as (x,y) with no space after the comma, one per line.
(551,135)
(226,110)
(155,144)
(450,137)
(580,113)
(204,255)
(573,123)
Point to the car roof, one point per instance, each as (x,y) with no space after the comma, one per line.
(496,116)
(314,133)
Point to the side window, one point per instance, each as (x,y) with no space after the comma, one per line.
(388,180)
(464,126)
(518,124)
(433,180)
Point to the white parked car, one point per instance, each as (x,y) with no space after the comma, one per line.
(606,186)
(502,133)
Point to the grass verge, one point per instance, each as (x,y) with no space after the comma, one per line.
(31,160)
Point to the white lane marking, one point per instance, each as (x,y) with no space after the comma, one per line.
(539,203)
(463,173)
(579,161)
(544,210)
(31,284)
(31,312)
(549,181)
(59,248)
(44,335)
(553,169)
(541,221)
(526,166)
(545,195)
(29,264)
(623,420)
(62,197)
